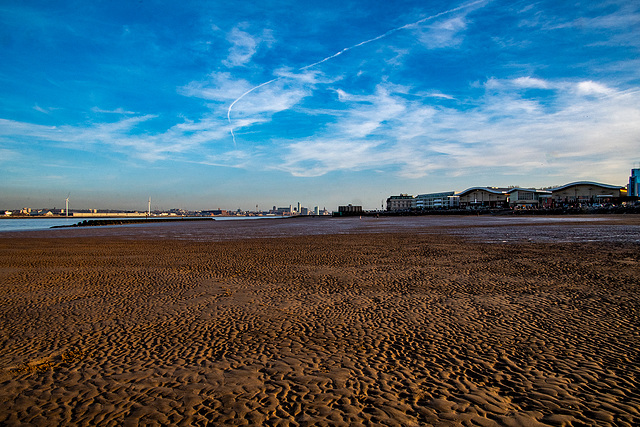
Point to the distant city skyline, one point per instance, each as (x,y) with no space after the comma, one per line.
(206,105)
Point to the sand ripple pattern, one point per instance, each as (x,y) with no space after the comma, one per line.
(386,329)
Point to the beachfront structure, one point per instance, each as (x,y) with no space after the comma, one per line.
(403,202)
(284,211)
(586,192)
(529,197)
(484,197)
(446,200)
(214,212)
(633,190)
(349,210)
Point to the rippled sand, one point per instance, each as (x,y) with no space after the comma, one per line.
(364,329)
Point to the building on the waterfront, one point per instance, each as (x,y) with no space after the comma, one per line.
(586,192)
(484,197)
(350,210)
(529,197)
(446,200)
(215,212)
(403,202)
(281,211)
(633,190)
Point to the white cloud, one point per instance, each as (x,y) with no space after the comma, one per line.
(592,88)
(116,111)
(582,127)
(305,76)
(531,83)
(244,46)
(283,92)
(440,95)
(444,34)
(623,19)
(526,82)
(220,87)
(368,113)
(504,132)
(318,156)
(40,109)
(121,137)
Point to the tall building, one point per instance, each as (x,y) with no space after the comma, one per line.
(633,190)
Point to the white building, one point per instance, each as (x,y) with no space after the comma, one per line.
(528,197)
(446,200)
(403,202)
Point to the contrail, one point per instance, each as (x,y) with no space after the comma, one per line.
(346,49)
(238,99)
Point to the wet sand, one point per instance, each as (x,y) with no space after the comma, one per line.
(350,329)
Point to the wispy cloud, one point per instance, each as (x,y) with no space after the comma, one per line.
(120,111)
(219,87)
(7,155)
(530,83)
(386,129)
(40,109)
(245,45)
(503,132)
(444,34)
(186,138)
(593,88)
(526,82)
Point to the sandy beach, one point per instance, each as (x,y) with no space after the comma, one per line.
(334,329)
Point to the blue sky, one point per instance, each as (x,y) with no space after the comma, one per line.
(214,104)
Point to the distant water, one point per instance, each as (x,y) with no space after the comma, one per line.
(492,229)
(31,224)
(35,224)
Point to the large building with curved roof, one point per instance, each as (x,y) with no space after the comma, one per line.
(486,197)
(586,192)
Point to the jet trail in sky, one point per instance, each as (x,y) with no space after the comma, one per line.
(238,99)
(346,49)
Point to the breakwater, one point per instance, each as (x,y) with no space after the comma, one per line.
(103,222)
